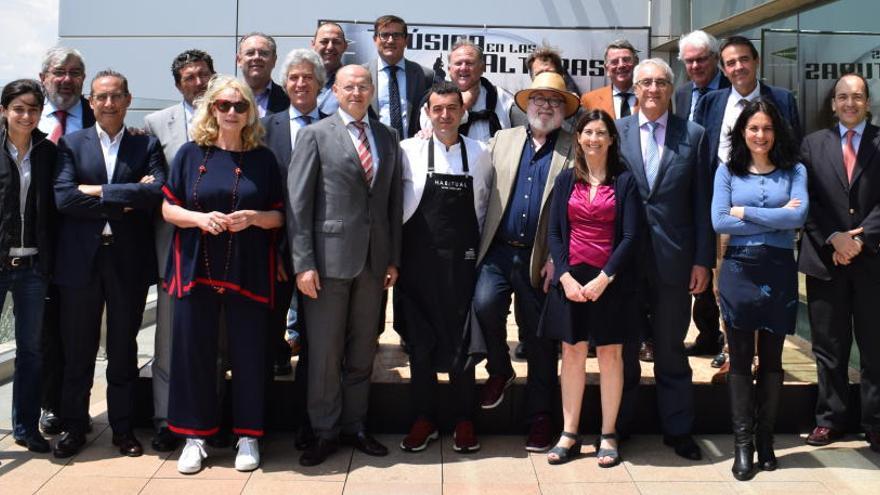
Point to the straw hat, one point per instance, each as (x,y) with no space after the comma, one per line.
(548,81)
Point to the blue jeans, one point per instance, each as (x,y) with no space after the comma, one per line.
(28,287)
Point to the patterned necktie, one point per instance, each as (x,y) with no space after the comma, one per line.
(363,150)
(304,119)
(58,131)
(652,155)
(703,90)
(394,101)
(624,105)
(849,154)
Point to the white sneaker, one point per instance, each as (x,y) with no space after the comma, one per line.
(248,457)
(190,460)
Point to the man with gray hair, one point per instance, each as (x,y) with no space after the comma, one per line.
(698,51)
(256,57)
(487,107)
(617,99)
(65,110)
(668,156)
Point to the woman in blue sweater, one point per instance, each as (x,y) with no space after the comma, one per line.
(760,198)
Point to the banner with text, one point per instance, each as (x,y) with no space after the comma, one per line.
(505,48)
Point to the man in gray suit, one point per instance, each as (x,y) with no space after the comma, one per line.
(400,83)
(192,70)
(345,192)
(669,158)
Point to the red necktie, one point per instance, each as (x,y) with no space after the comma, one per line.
(58,131)
(849,154)
(363,149)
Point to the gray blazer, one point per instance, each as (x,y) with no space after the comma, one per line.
(169,127)
(418,81)
(337,219)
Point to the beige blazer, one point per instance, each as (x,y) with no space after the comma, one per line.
(506,149)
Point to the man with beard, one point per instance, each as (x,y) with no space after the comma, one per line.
(487,107)
(330,44)
(256,58)
(546,58)
(617,99)
(65,111)
(191,70)
(513,255)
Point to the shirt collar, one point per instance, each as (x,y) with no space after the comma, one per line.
(294,113)
(107,138)
(616,91)
(75,111)
(860,129)
(661,120)
(400,63)
(188,109)
(348,119)
(751,96)
(714,83)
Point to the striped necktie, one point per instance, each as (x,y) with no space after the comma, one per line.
(652,155)
(363,150)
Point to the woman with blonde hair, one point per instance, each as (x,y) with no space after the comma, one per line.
(224,196)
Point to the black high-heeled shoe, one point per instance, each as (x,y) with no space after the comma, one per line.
(563,454)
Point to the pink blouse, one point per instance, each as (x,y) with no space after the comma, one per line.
(591,225)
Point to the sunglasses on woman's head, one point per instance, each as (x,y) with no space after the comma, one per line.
(224,106)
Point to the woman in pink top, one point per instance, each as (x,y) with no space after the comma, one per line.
(594,217)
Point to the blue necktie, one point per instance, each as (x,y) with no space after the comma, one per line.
(394,101)
(652,155)
(304,119)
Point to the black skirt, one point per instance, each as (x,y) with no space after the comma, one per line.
(601,322)
(757,288)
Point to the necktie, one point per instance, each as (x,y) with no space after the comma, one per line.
(652,156)
(304,119)
(703,90)
(58,131)
(363,150)
(624,105)
(849,154)
(394,101)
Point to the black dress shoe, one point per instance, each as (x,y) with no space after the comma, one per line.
(69,444)
(684,446)
(164,441)
(50,423)
(719,360)
(282,367)
(520,351)
(364,442)
(129,446)
(305,437)
(35,443)
(318,452)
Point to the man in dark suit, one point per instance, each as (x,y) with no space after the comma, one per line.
(345,193)
(667,155)
(107,187)
(400,83)
(256,57)
(698,51)
(65,111)
(191,70)
(839,255)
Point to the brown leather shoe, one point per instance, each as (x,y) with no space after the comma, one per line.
(646,352)
(540,434)
(129,446)
(821,436)
(873,438)
(493,390)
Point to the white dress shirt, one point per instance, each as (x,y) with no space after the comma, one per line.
(354,134)
(383,99)
(48,120)
(446,161)
(24,183)
(110,149)
(731,112)
(659,135)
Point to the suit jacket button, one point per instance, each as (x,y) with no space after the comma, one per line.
(852,211)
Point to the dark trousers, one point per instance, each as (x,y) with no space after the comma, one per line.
(670,317)
(193,399)
(28,288)
(503,272)
(277,346)
(706,313)
(81,309)
(840,309)
(53,354)
(425,391)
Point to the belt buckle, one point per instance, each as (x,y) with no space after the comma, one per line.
(15,261)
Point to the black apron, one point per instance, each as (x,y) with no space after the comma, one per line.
(438,267)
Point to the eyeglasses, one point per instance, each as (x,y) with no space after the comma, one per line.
(223,106)
(351,88)
(72,73)
(104,97)
(619,61)
(590,133)
(647,83)
(696,60)
(253,52)
(543,101)
(389,35)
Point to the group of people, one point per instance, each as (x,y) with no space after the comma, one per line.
(275,218)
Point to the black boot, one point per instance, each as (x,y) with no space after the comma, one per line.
(768,390)
(741,414)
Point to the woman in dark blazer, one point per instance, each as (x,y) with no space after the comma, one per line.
(595,216)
